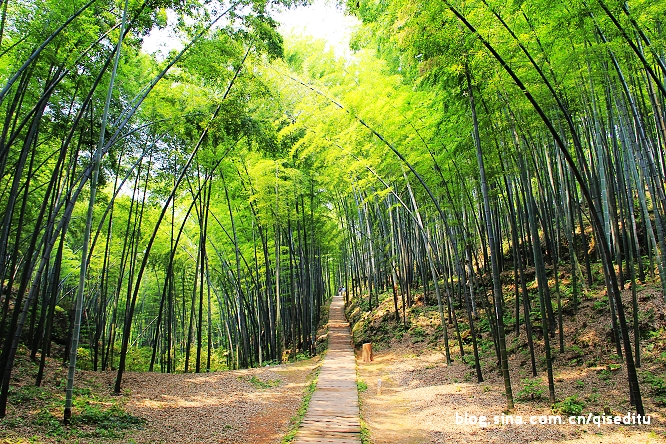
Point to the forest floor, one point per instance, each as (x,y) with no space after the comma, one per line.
(410,395)
(256,405)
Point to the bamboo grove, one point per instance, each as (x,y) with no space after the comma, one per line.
(547,151)
(149,219)
(193,211)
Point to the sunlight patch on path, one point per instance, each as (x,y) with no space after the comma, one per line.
(332,415)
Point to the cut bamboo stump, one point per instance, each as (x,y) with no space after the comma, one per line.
(367,352)
(332,415)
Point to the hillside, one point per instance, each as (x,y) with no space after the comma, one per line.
(411,395)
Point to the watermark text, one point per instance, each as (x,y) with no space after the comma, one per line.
(549,420)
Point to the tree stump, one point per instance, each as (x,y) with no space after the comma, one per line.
(367,352)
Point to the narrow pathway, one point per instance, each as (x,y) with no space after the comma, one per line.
(332,415)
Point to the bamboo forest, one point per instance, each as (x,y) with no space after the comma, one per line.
(481,184)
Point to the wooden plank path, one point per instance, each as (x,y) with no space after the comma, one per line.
(333,415)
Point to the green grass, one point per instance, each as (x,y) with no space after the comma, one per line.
(92,421)
(258,383)
(532,389)
(569,406)
(27,394)
(96,414)
(365,433)
(656,386)
(302,410)
(600,305)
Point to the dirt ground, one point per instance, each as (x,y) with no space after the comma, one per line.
(408,394)
(414,397)
(243,406)
(225,407)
